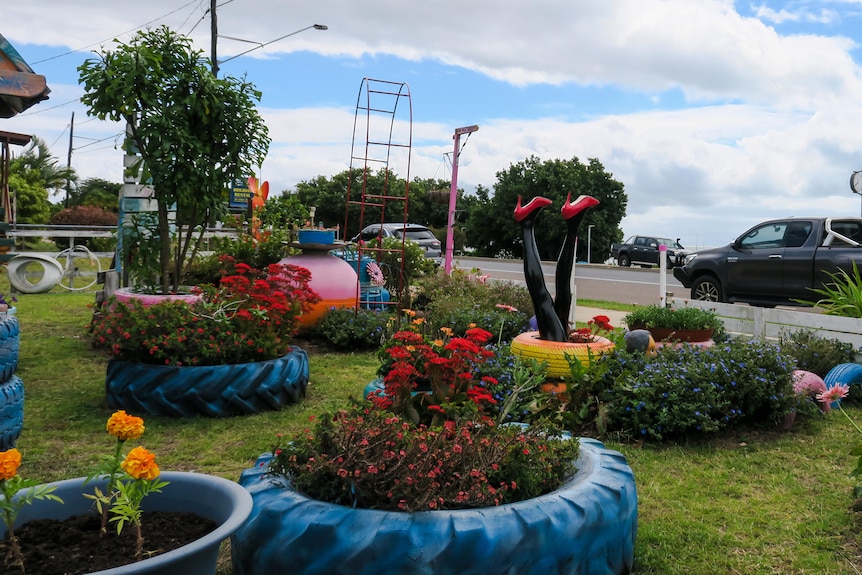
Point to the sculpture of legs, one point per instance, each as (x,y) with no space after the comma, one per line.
(573,213)
(550,328)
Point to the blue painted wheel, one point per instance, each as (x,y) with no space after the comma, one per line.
(11,411)
(587,527)
(213,390)
(9,344)
(845,373)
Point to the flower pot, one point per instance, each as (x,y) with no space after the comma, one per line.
(127,295)
(212,390)
(588,526)
(220,500)
(528,346)
(660,334)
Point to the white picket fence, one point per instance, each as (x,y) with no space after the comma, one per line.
(766,323)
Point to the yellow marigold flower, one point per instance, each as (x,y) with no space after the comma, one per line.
(141,464)
(409,312)
(419,321)
(124,426)
(447,331)
(10,461)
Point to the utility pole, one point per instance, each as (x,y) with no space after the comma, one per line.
(453,198)
(69,158)
(214,36)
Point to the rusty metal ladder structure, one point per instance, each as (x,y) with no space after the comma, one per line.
(382,142)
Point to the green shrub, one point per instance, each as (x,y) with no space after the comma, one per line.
(843,296)
(243,248)
(665,317)
(694,390)
(463,299)
(353,330)
(814,353)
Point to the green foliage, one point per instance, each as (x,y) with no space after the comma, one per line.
(96,192)
(38,167)
(88,215)
(245,249)
(491,228)
(645,317)
(283,212)
(346,458)
(400,276)
(194,131)
(691,390)
(814,353)
(842,297)
(461,299)
(31,198)
(353,330)
(141,245)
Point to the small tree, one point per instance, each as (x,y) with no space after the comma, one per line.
(194,132)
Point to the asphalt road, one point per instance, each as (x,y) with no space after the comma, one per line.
(602,282)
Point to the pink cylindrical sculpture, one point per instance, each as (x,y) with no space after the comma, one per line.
(332,278)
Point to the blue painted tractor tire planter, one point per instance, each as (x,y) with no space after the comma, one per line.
(11,411)
(586,527)
(11,386)
(10,338)
(212,390)
(215,498)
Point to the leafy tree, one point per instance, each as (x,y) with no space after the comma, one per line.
(492,230)
(195,132)
(283,211)
(96,192)
(37,158)
(30,197)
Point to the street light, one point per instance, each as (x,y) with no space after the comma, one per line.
(589,239)
(261,45)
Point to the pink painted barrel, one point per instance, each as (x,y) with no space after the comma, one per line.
(332,278)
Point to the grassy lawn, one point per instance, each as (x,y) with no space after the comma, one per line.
(754,502)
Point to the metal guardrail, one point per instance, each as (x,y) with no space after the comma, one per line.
(51,231)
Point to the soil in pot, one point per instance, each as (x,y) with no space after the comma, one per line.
(73,546)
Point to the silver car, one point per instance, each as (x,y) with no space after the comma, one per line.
(419,234)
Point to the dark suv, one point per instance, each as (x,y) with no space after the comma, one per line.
(419,234)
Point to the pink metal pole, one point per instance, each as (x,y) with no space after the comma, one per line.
(453,198)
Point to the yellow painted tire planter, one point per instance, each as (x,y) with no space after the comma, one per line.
(528,346)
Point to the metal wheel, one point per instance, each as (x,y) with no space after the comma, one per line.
(80,268)
(707,289)
(624,261)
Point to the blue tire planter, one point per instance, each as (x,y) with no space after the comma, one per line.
(587,527)
(10,340)
(215,498)
(213,390)
(11,411)
(845,373)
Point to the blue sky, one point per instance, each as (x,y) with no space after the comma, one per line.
(715,114)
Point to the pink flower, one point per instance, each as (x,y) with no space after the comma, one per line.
(506,307)
(834,393)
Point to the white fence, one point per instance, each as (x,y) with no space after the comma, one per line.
(770,323)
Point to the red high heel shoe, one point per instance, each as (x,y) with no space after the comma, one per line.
(571,209)
(535,205)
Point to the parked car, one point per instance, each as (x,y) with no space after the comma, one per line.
(414,232)
(644,251)
(778,262)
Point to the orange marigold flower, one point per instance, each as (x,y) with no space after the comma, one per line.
(10,461)
(124,426)
(141,464)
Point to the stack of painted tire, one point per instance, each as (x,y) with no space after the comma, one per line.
(11,388)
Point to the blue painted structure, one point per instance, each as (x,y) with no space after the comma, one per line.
(587,527)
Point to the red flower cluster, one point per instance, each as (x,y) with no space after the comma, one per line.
(449,371)
(597,327)
(250,316)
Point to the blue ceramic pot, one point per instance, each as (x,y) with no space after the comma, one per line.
(215,498)
(211,390)
(587,527)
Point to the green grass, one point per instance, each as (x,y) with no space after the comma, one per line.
(748,503)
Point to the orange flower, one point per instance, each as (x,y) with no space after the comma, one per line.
(10,461)
(141,464)
(124,426)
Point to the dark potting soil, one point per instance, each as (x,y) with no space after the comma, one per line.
(73,546)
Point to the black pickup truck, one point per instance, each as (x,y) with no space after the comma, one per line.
(644,250)
(777,262)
